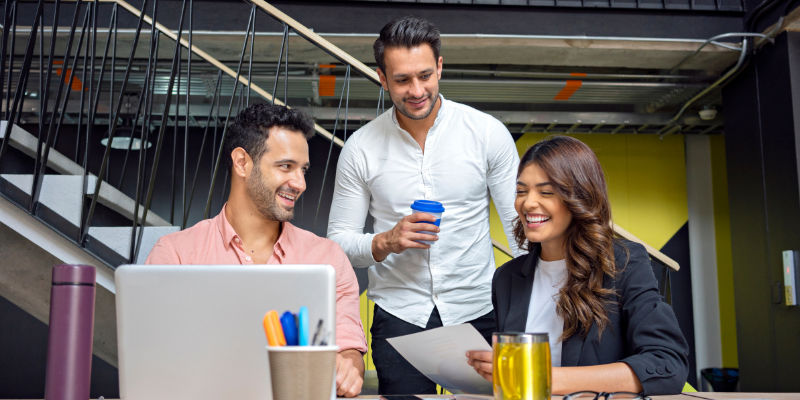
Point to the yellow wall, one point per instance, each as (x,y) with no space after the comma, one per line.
(722,230)
(497,232)
(366,307)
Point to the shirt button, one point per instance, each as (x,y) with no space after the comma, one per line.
(236,240)
(436,296)
(247,258)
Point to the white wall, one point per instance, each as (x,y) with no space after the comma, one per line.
(703,253)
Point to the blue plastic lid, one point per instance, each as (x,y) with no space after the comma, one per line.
(427,206)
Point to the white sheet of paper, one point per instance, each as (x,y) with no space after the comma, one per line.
(440,354)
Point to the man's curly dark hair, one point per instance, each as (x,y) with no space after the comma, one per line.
(250,129)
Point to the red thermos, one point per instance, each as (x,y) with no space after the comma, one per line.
(69,348)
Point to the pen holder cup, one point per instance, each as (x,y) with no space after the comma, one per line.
(302,372)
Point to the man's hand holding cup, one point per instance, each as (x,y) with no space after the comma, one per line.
(416,231)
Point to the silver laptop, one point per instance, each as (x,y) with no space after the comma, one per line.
(195,331)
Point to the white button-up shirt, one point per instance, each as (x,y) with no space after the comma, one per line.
(382,170)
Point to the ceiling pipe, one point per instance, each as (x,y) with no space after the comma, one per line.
(711,40)
(663,132)
(763,37)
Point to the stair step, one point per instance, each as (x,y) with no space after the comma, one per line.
(118,239)
(27,143)
(110,196)
(60,208)
(60,193)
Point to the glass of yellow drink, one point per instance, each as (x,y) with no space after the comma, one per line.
(521,366)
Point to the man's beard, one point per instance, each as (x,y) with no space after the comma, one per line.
(265,199)
(401,106)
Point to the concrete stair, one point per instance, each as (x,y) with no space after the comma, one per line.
(110,196)
(60,204)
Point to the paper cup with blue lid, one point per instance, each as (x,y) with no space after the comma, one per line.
(428,207)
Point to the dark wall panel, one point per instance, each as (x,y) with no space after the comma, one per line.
(765,213)
(677,248)
(348,17)
(780,106)
(748,231)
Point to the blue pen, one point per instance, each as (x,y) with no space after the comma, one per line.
(289,328)
(303,326)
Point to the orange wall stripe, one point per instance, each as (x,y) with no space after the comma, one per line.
(327,65)
(577,74)
(327,85)
(569,90)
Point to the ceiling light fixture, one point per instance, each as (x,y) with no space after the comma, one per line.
(123,139)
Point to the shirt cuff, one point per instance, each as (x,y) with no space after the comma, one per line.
(365,257)
(351,337)
(653,373)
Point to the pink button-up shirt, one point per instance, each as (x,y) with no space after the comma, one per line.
(214,242)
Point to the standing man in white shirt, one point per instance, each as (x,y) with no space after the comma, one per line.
(423,148)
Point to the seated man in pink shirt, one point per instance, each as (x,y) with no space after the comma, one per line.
(267,151)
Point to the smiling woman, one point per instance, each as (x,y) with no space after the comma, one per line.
(562,196)
(595,295)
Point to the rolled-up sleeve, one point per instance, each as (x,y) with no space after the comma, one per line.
(659,351)
(349,331)
(349,209)
(502,177)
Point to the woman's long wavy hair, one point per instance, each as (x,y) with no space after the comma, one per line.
(577,178)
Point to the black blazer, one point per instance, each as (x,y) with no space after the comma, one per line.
(642,331)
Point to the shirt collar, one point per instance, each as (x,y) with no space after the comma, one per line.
(285,239)
(229,234)
(225,228)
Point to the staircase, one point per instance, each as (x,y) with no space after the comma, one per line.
(50,237)
(61,204)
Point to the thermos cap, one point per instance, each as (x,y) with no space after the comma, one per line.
(519,337)
(75,274)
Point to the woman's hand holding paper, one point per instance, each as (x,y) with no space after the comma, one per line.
(481,361)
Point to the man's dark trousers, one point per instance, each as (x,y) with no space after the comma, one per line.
(395,374)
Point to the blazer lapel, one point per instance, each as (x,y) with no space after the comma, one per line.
(571,350)
(572,347)
(521,287)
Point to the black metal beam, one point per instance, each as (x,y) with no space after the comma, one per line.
(369,17)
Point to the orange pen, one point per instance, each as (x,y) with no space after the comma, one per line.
(272,326)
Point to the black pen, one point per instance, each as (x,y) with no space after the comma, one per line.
(316,334)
